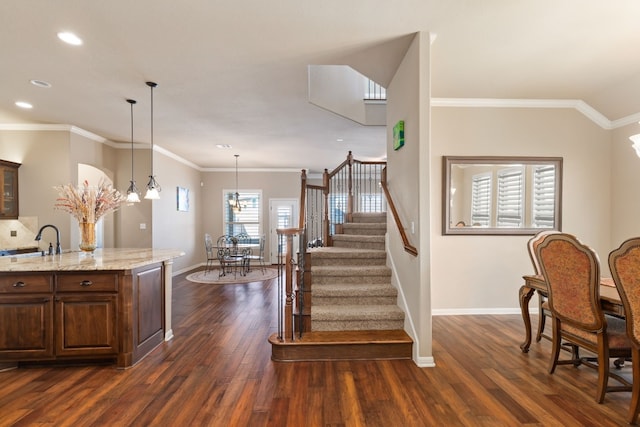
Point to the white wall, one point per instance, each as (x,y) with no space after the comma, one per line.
(478,274)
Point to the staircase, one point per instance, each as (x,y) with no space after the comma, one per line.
(351,284)
(354,311)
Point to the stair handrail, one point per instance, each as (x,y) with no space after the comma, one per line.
(408,247)
(348,178)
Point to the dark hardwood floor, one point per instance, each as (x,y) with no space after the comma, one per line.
(217,372)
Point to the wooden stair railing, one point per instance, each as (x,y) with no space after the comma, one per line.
(408,247)
(347,186)
(290,283)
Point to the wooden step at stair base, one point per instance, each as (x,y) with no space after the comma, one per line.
(343,345)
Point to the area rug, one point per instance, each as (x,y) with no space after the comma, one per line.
(213,276)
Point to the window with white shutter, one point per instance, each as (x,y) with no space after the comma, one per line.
(481,200)
(510,200)
(544,182)
(248,220)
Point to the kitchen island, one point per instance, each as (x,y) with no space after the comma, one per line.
(112,304)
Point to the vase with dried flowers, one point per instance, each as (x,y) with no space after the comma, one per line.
(88,204)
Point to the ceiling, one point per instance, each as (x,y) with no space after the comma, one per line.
(236,72)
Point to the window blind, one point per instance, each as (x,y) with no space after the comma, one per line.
(544,185)
(510,198)
(481,200)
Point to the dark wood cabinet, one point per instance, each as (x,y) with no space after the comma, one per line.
(9,186)
(26,316)
(115,315)
(86,315)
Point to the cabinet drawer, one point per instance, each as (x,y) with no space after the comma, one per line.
(26,283)
(87,282)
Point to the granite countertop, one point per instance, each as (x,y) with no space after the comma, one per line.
(100,259)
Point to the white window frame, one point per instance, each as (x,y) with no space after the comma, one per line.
(237,217)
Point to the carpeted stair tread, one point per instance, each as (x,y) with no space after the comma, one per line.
(358,238)
(362,217)
(357,313)
(365,228)
(340,252)
(346,271)
(356,289)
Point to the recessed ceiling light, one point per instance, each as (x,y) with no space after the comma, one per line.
(23,104)
(40,83)
(69,38)
(225,146)
(339,140)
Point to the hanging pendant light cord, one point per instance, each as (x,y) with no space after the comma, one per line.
(131,101)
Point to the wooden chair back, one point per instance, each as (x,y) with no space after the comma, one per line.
(624,264)
(572,272)
(533,243)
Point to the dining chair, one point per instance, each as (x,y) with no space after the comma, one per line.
(543,304)
(624,264)
(571,270)
(211,255)
(228,256)
(259,257)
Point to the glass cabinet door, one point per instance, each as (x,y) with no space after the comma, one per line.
(9,185)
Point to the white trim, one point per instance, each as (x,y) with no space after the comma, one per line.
(474,311)
(425,362)
(251,170)
(577,104)
(408,320)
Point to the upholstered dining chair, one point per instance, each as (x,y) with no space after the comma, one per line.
(543,304)
(571,270)
(624,264)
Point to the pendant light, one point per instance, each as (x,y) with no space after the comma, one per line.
(235,202)
(133,195)
(153,188)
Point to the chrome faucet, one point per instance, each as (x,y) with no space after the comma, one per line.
(39,237)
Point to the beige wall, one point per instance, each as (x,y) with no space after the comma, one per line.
(625,185)
(44,156)
(274,185)
(483,273)
(408,177)
(172,228)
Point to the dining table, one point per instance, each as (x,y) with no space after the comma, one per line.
(609,301)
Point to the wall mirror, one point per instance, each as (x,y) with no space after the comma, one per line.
(501,195)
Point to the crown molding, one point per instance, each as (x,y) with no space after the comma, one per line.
(577,104)
(286,170)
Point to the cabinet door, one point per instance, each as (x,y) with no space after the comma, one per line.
(9,187)
(86,325)
(27,327)
(148,310)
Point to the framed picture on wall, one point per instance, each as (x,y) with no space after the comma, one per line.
(183,199)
